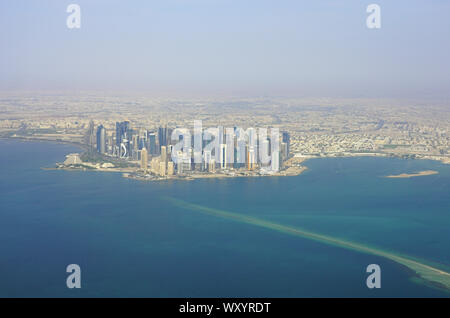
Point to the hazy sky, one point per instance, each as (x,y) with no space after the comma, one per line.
(258,47)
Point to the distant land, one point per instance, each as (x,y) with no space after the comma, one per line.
(410,175)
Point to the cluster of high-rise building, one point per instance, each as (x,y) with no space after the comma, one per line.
(166,151)
(126,142)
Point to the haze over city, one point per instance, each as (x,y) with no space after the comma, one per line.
(236,48)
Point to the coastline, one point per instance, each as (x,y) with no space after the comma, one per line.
(289,171)
(58,141)
(213,176)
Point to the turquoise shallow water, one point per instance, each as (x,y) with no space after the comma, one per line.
(131,240)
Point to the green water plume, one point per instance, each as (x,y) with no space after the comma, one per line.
(433,276)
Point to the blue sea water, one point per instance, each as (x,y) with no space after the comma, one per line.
(130,241)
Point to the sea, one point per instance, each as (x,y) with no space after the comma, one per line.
(134,238)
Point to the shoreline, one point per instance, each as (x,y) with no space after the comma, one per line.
(445,160)
(290,171)
(211,176)
(66,142)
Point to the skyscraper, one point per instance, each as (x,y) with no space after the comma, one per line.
(143,139)
(90,136)
(155,165)
(212,165)
(152,143)
(162,136)
(163,154)
(241,153)
(264,152)
(168,136)
(275,163)
(162,169)
(110,144)
(223,156)
(144,159)
(134,146)
(286,138)
(251,158)
(284,150)
(122,131)
(206,159)
(101,139)
(123,138)
(170,168)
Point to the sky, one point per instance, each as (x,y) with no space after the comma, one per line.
(319,48)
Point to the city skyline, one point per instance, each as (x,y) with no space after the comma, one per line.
(180,151)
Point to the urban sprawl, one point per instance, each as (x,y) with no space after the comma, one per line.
(147,138)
